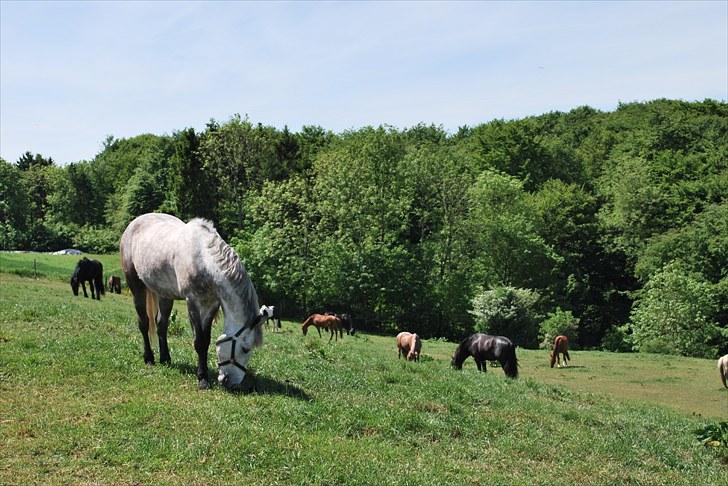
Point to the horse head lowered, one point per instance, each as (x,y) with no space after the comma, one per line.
(163,260)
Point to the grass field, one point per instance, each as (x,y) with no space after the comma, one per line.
(78,406)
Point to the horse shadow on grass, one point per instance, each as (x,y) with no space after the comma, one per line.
(262,385)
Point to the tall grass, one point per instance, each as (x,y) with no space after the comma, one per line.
(79,406)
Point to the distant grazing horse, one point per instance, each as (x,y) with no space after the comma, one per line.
(165,260)
(91,271)
(723,370)
(561,346)
(275,318)
(332,323)
(409,345)
(484,347)
(346,323)
(114,284)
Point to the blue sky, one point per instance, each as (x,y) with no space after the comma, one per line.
(72,73)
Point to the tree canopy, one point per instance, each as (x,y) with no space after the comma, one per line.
(598,217)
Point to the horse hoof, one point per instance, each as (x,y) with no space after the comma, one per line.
(203,385)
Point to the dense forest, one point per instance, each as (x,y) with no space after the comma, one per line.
(609,226)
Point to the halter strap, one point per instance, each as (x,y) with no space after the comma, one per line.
(233,338)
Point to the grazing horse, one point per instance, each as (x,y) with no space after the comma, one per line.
(114,284)
(723,369)
(410,345)
(165,260)
(275,318)
(484,347)
(561,346)
(323,321)
(91,271)
(346,323)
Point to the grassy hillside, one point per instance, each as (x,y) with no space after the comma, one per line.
(55,267)
(79,406)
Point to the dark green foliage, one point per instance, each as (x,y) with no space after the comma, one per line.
(510,312)
(715,436)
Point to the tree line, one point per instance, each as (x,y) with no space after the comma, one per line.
(609,226)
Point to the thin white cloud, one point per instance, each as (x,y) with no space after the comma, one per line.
(72,73)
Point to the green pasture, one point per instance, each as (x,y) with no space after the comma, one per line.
(78,406)
(54,267)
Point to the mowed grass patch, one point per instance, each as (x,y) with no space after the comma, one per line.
(79,406)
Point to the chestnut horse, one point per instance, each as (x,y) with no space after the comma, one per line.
(561,346)
(322,321)
(723,370)
(410,345)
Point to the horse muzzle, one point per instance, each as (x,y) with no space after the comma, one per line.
(245,386)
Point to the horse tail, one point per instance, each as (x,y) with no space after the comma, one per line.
(152,310)
(510,364)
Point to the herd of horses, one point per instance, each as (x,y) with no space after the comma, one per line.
(164,259)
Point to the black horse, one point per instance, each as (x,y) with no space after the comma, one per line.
(346,323)
(484,347)
(90,271)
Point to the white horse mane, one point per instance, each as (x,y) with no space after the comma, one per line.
(229,265)
(223,255)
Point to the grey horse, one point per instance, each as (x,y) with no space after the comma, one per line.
(165,260)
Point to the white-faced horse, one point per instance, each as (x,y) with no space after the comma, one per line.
(165,260)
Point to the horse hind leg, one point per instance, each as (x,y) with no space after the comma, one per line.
(165,310)
(140,304)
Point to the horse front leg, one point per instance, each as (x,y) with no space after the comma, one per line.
(203,327)
(318,329)
(83,286)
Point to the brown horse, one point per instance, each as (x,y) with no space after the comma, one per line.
(322,321)
(410,345)
(561,346)
(114,284)
(723,370)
